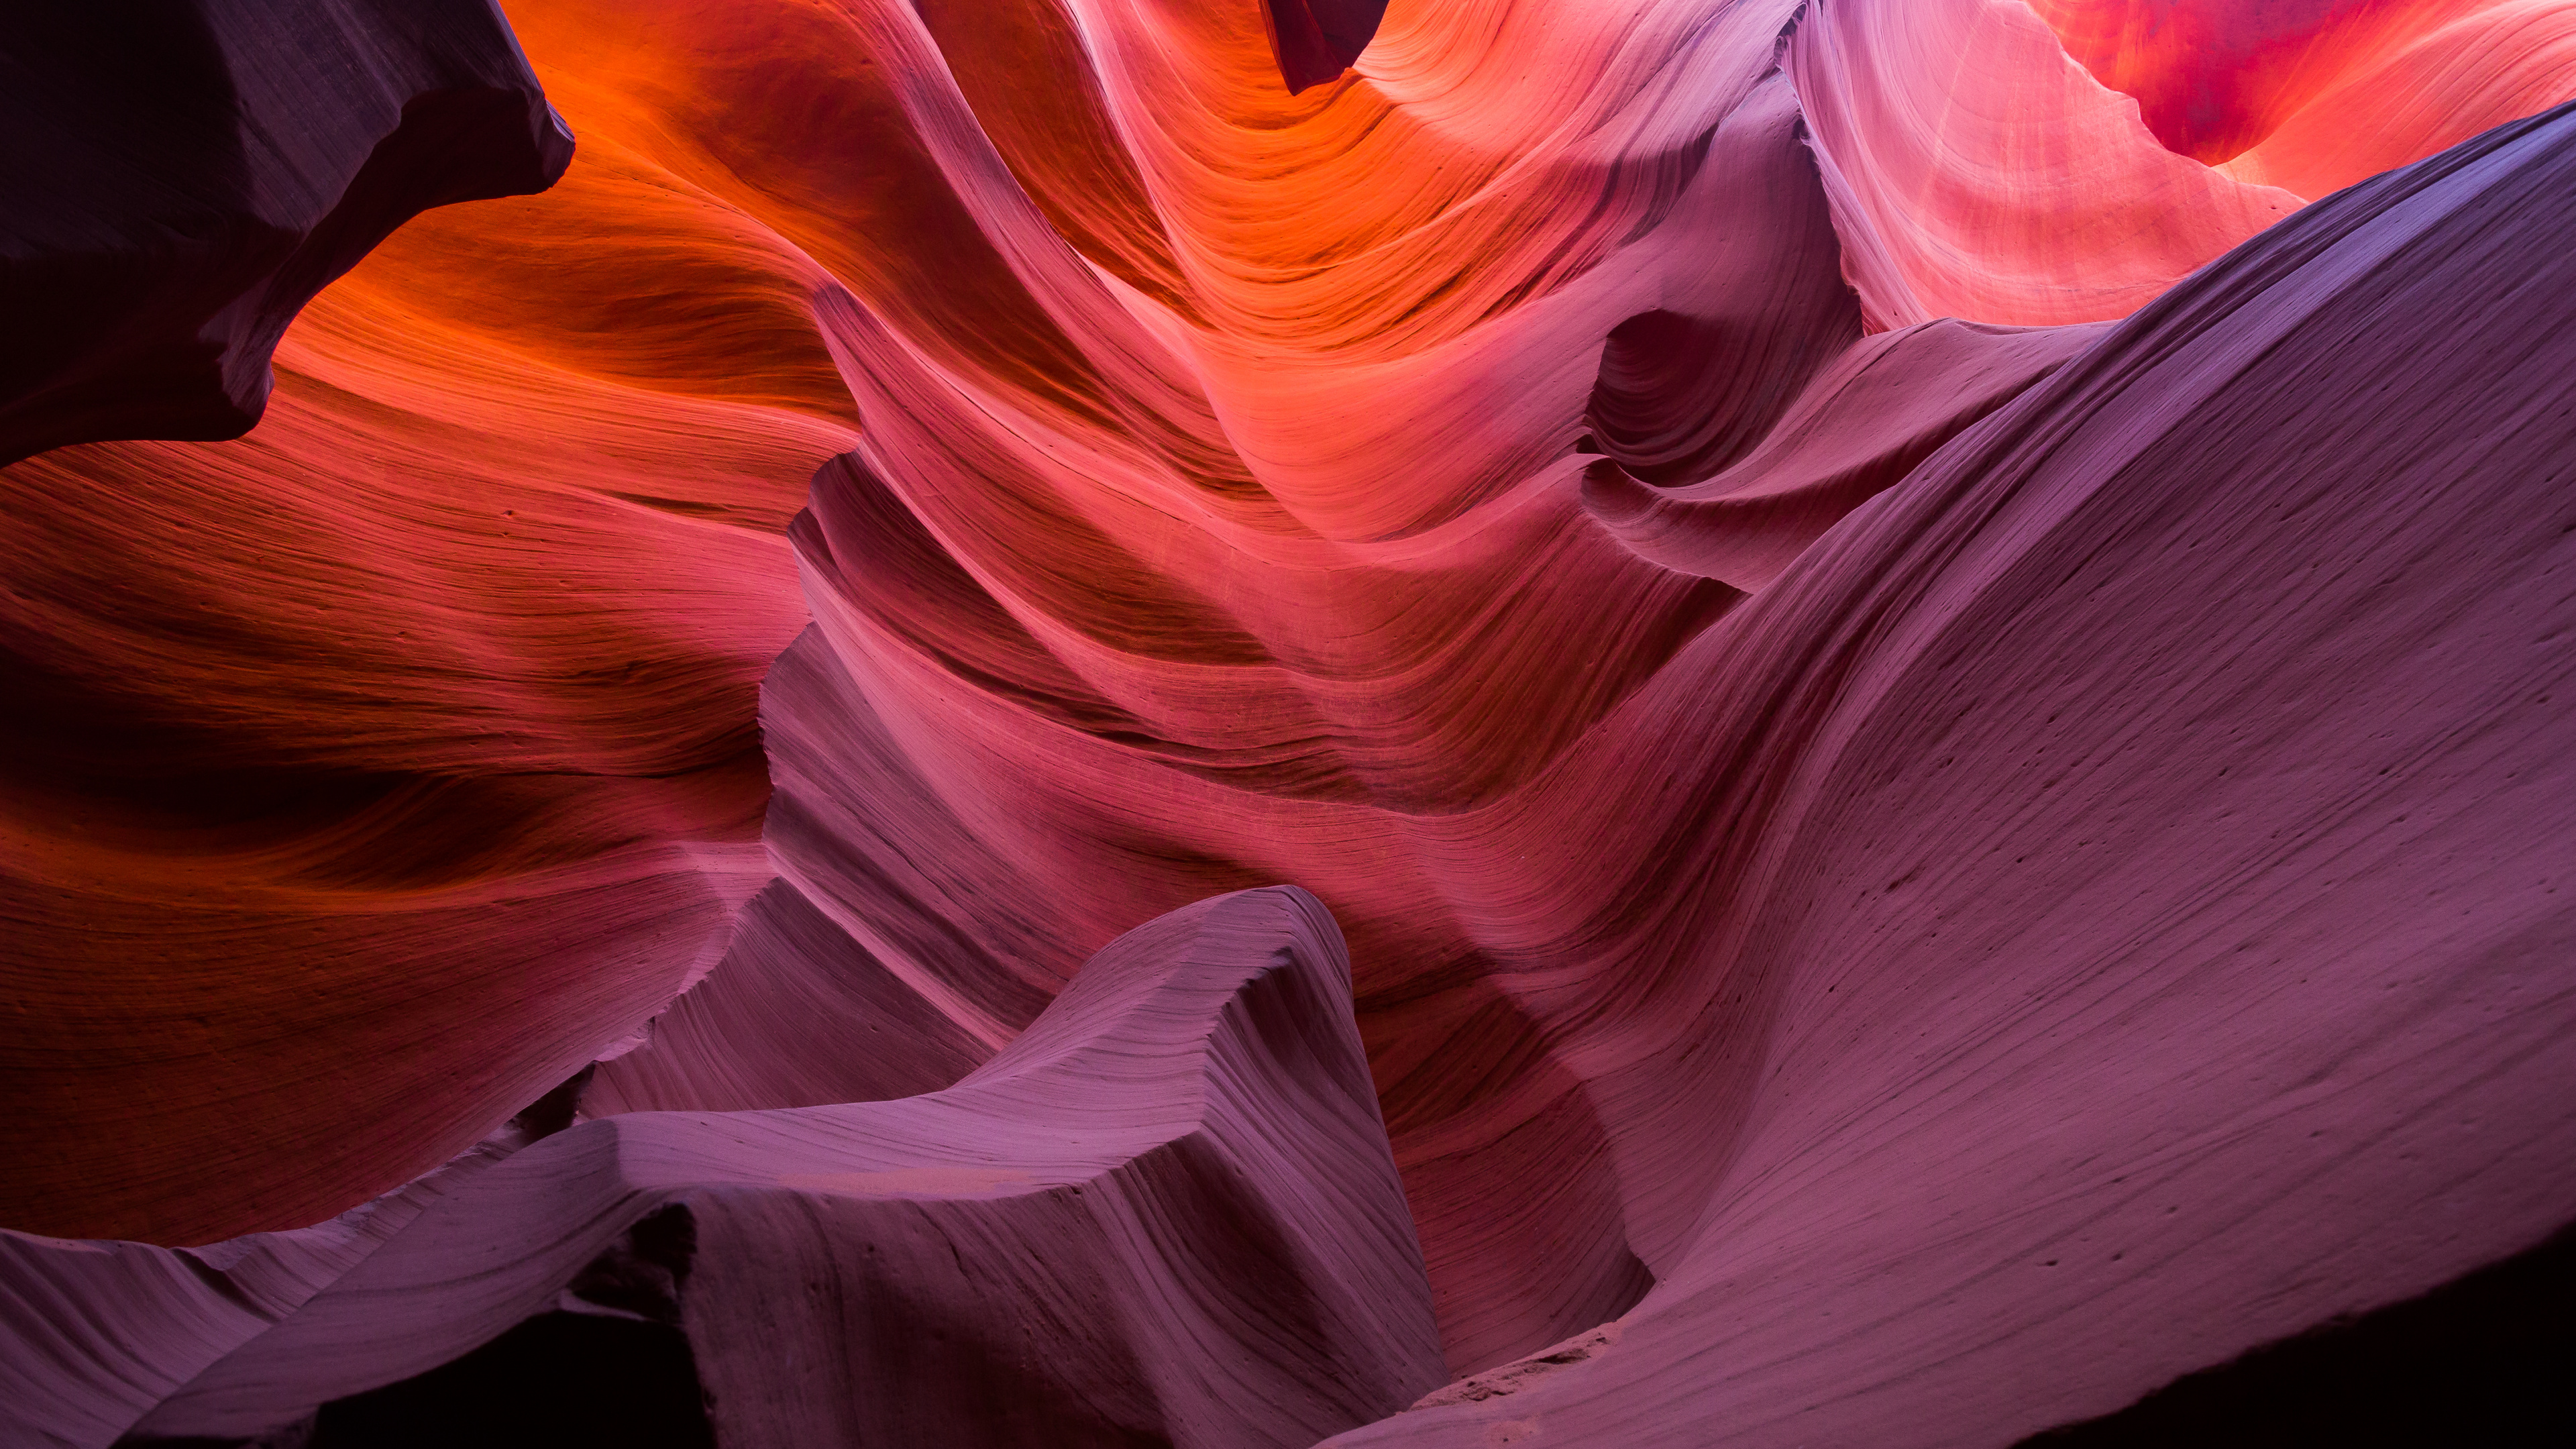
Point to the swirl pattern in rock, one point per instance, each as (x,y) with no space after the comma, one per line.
(369,776)
(1166,1214)
(2148,935)
(1646,508)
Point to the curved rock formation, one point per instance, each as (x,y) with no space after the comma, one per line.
(369,776)
(182,178)
(2042,161)
(1166,1214)
(2451,73)
(1860,426)
(1253,606)
(1978,172)
(2151,938)
(1846,768)
(1316,40)
(2317,94)
(94,1334)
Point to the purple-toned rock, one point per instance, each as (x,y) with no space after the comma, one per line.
(181,176)
(1861,424)
(1316,40)
(2150,936)
(1166,1214)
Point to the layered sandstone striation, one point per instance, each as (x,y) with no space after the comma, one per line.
(1166,1214)
(1919,672)
(2145,923)
(369,776)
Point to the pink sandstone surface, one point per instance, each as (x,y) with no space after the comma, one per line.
(1918,665)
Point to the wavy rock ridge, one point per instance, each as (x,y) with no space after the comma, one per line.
(1648,511)
(2069,1065)
(1165,1214)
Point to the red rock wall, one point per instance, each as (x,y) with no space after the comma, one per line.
(1586,493)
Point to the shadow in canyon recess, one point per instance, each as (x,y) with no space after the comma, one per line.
(2483,1359)
(1165,1215)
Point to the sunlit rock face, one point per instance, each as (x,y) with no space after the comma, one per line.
(2003,161)
(2314,95)
(1922,693)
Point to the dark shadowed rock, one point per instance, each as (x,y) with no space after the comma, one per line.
(1316,40)
(182,175)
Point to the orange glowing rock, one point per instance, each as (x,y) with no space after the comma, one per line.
(1679,522)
